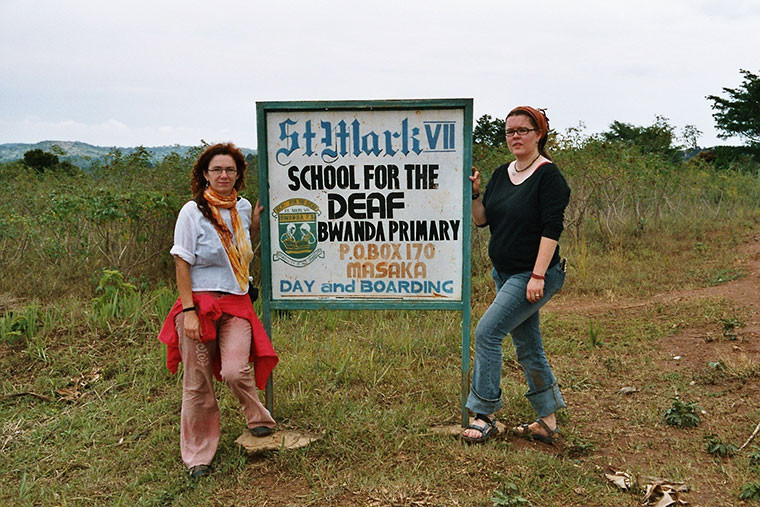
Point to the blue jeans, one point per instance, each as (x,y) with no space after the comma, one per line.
(511,313)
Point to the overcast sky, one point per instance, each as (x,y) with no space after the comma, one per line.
(125,73)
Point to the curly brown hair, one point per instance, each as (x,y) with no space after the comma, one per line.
(198,181)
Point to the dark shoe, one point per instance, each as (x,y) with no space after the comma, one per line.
(486,432)
(261,431)
(525,431)
(199,471)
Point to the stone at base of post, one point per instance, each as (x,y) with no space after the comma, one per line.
(279,440)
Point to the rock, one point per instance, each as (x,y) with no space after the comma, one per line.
(280,439)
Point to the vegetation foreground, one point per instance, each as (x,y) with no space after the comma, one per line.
(661,299)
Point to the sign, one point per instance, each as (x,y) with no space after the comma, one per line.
(366,206)
(366,202)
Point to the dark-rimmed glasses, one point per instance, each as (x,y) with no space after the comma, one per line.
(522,131)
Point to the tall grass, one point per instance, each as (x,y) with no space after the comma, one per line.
(59,231)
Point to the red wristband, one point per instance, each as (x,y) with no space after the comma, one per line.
(537,277)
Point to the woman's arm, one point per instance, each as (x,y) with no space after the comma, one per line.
(185,288)
(535,289)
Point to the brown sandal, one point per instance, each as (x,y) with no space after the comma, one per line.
(525,431)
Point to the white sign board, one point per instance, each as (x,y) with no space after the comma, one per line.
(366,203)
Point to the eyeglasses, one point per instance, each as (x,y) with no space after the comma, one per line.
(522,131)
(216,171)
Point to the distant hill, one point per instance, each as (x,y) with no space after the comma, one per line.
(83,154)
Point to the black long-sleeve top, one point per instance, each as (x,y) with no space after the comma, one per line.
(519,215)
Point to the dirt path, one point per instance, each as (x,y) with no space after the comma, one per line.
(629,441)
(700,343)
(744,291)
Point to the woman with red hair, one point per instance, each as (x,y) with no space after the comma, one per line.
(523,205)
(212,329)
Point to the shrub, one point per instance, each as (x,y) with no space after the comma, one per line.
(715,446)
(750,491)
(754,456)
(682,414)
(509,495)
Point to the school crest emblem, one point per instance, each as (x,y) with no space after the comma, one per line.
(297,232)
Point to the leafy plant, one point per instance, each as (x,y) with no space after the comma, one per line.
(717,447)
(114,293)
(11,327)
(17,324)
(682,414)
(729,327)
(509,495)
(754,456)
(750,491)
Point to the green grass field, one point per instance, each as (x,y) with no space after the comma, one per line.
(373,383)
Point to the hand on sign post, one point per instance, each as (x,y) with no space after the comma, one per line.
(478,210)
(475,179)
(256,218)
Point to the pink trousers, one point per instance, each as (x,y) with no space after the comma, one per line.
(199,430)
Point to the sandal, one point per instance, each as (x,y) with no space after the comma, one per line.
(199,471)
(525,431)
(261,431)
(486,432)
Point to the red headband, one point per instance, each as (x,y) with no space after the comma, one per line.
(538,115)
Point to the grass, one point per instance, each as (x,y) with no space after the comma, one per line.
(90,415)
(372,384)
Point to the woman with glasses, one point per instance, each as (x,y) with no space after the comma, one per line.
(523,205)
(212,329)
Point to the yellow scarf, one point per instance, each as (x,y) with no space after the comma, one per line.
(241,254)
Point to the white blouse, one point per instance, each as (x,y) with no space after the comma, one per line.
(197,242)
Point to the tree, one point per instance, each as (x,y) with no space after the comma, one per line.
(489,131)
(739,114)
(40,160)
(690,135)
(57,150)
(656,138)
(140,158)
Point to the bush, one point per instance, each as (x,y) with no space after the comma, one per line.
(715,446)
(741,158)
(40,160)
(682,414)
(750,491)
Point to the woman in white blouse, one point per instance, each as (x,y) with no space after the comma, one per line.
(212,328)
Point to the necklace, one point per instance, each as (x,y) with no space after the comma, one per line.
(517,170)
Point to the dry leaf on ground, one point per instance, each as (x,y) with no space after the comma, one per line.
(620,479)
(663,493)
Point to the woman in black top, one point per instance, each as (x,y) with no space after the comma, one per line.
(523,205)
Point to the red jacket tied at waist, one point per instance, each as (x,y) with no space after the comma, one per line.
(209,309)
